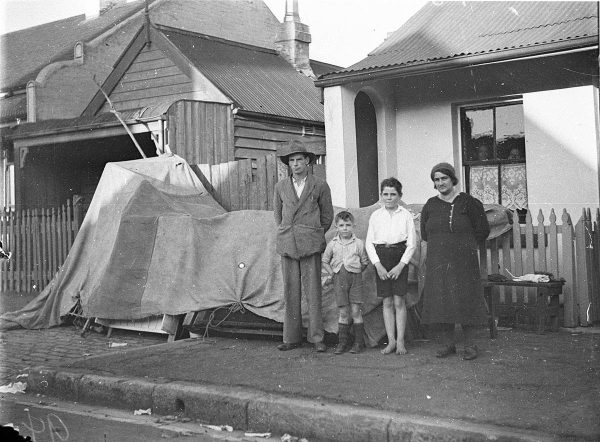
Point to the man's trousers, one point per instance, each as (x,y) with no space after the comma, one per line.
(302,277)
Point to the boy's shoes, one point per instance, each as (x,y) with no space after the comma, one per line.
(343,331)
(446,351)
(359,338)
(320,347)
(289,346)
(340,348)
(471,352)
(357,348)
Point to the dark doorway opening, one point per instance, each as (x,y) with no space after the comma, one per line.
(54,173)
(366,150)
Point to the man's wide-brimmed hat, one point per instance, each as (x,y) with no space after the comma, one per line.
(293,147)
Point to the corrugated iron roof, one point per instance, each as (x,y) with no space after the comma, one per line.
(445,30)
(105,119)
(13,107)
(26,52)
(256,79)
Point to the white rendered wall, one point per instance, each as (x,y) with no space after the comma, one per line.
(424,138)
(341,170)
(562,151)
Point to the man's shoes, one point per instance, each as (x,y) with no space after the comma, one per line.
(289,346)
(320,347)
(446,351)
(471,352)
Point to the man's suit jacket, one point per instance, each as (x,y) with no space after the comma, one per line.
(302,221)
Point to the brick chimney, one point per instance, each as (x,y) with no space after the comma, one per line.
(293,39)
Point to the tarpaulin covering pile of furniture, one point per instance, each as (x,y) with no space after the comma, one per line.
(154,241)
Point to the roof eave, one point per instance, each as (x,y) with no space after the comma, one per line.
(89,127)
(446,64)
(281,118)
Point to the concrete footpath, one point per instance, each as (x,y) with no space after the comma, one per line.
(524,386)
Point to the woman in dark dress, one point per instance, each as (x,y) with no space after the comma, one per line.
(453,223)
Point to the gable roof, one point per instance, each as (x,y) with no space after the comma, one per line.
(460,30)
(26,52)
(245,21)
(256,79)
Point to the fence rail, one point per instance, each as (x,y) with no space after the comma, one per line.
(39,241)
(565,250)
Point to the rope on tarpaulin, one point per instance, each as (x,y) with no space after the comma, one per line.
(232,308)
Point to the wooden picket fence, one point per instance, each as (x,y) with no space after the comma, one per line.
(567,251)
(39,241)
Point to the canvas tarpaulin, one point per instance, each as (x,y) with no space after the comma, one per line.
(154,241)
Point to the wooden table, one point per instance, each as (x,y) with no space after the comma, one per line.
(544,290)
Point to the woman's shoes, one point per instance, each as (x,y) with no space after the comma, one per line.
(471,352)
(446,351)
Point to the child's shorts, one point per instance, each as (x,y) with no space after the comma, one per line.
(389,256)
(348,287)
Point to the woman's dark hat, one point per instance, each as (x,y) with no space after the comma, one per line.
(446,169)
(293,147)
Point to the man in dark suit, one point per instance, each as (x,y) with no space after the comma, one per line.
(303,212)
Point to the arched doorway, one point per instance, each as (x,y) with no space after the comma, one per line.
(366,150)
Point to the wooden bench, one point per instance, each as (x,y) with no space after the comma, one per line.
(544,290)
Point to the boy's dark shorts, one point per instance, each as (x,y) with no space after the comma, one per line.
(389,256)
(348,287)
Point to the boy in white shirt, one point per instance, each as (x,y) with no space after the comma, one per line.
(390,244)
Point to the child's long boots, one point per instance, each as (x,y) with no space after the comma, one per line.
(343,331)
(359,338)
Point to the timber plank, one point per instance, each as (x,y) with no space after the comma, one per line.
(552,265)
(261,183)
(271,179)
(541,248)
(161,91)
(234,185)
(517,256)
(140,65)
(529,262)
(244,181)
(582,275)
(166,72)
(150,83)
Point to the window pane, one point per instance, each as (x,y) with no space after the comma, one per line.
(510,132)
(479,133)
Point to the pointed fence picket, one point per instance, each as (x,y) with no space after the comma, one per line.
(567,251)
(39,240)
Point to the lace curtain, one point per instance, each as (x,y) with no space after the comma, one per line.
(484,185)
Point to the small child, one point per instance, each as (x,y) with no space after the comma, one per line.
(345,258)
(390,243)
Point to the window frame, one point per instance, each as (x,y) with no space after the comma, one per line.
(495,161)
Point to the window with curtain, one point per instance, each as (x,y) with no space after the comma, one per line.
(494,157)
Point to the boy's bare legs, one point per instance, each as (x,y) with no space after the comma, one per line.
(389,320)
(400,307)
(356,313)
(344,314)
